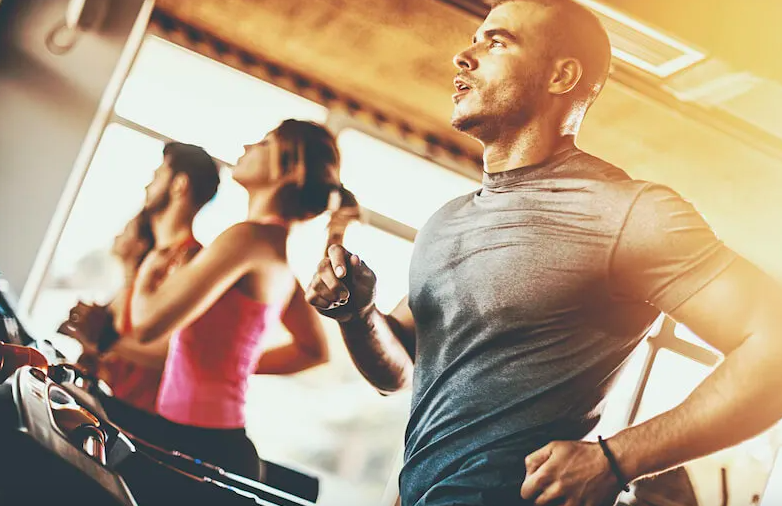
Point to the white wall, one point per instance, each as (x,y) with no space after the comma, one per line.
(52,110)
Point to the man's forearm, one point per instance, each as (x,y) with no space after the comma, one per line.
(377,350)
(737,401)
(151,354)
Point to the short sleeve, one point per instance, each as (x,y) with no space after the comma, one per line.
(665,252)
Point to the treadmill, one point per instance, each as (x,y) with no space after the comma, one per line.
(60,446)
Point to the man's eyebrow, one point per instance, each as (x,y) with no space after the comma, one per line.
(493,32)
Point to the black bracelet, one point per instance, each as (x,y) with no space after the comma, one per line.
(108,336)
(614,465)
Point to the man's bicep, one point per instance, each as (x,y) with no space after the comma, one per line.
(402,323)
(739,302)
(665,251)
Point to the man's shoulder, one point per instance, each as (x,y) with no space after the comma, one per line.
(598,169)
(455,204)
(612,182)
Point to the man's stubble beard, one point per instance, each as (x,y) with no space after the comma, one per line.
(480,126)
(470,124)
(157,207)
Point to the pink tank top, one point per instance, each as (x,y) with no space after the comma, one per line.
(210,362)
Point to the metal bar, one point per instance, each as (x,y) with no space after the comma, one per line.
(655,343)
(693,352)
(667,339)
(144,130)
(724,486)
(390,225)
(640,388)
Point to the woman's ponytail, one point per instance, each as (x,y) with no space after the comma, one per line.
(310,157)
(343,213)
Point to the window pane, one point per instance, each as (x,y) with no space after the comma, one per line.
(773,493)
(673,378)
(227,208)
(328,420)
(387,255)
(620,398)
(325,420)
(395,182)
(112,192)
(191,98)
(682,332)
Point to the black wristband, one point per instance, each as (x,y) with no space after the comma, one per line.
(613,465)
(108,335)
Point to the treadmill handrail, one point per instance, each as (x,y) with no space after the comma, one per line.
(219,470)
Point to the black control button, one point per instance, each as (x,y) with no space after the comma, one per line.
(38,374)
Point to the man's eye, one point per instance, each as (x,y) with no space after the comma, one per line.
(496,43)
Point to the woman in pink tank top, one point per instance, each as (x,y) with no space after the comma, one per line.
(221,306)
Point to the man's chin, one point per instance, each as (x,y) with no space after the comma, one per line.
(464,123)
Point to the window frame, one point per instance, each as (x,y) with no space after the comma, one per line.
(665,339)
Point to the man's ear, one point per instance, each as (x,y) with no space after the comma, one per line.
(180,186)
(566,76)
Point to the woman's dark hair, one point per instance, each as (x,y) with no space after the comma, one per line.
(309,152)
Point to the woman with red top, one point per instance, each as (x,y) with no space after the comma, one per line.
(222,305)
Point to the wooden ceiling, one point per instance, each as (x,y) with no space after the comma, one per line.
(396,56)
(393,54)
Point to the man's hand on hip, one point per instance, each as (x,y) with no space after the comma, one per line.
(570,474)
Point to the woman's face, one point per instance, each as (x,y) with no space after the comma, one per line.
(260,163)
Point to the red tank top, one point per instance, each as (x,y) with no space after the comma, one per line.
(133,383)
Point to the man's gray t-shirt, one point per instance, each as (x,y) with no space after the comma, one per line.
(528,297)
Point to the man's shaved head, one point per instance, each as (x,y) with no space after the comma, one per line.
(574,31)
(530,62)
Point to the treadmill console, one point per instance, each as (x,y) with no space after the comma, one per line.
(69,452)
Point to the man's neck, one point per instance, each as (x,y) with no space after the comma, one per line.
(130,273)
(171,227)
(530,146)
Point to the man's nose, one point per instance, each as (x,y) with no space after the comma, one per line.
(465,60)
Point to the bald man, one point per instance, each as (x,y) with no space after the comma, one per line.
(528,295)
